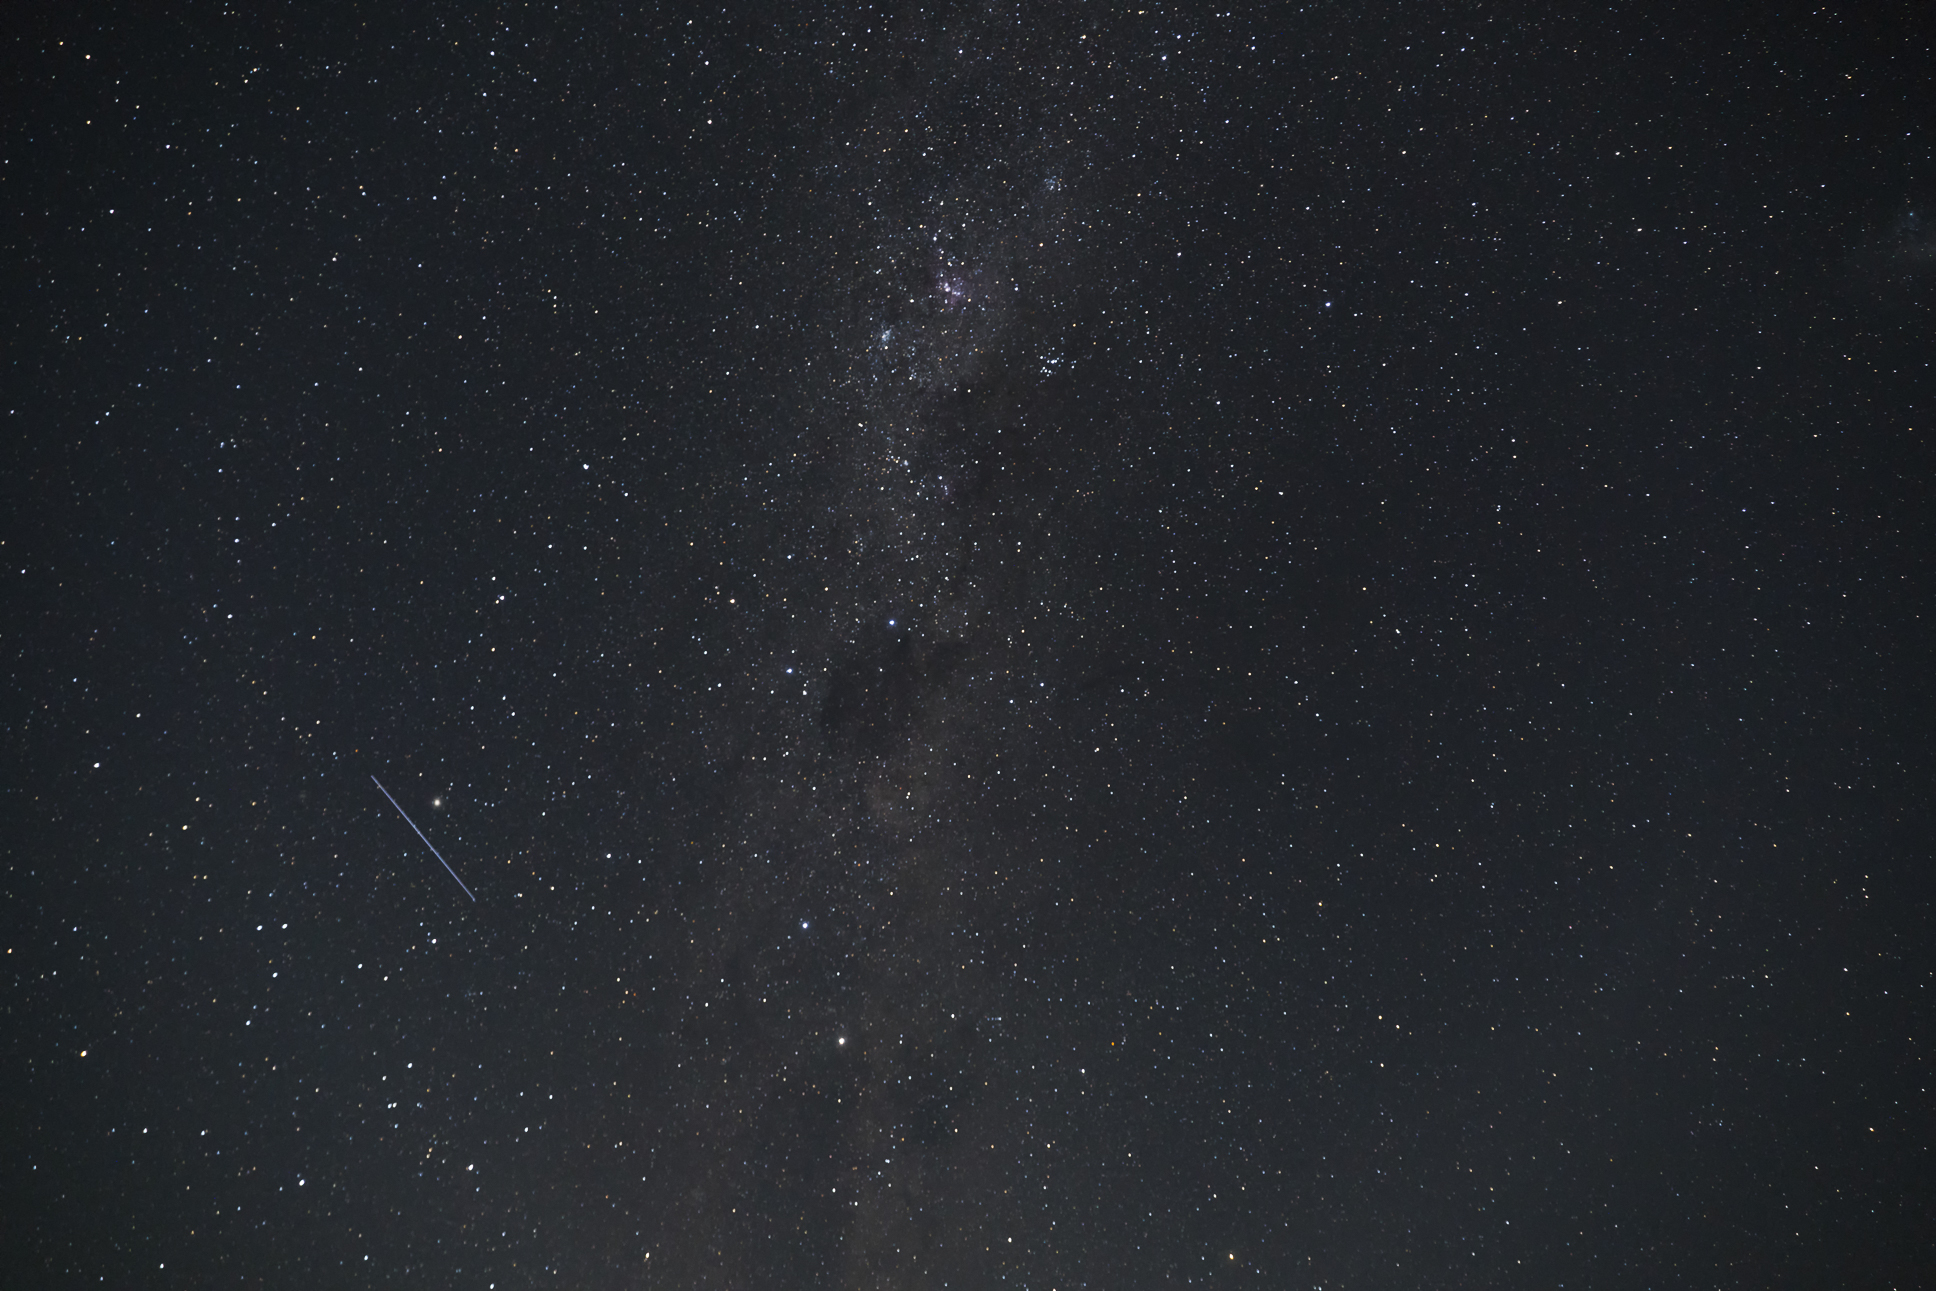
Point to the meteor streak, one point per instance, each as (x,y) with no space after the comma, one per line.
(420,834)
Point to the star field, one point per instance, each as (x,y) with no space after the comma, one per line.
(1079,647)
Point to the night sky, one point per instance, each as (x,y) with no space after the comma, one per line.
(1065,647)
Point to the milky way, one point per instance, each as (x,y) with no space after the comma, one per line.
(923,632)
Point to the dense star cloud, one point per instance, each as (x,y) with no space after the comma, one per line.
(1111,647)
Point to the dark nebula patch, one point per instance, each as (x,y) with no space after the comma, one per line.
(880,696)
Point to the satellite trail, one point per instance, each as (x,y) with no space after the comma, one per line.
(420,834)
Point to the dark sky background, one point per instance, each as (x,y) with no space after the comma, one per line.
(1068,647)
